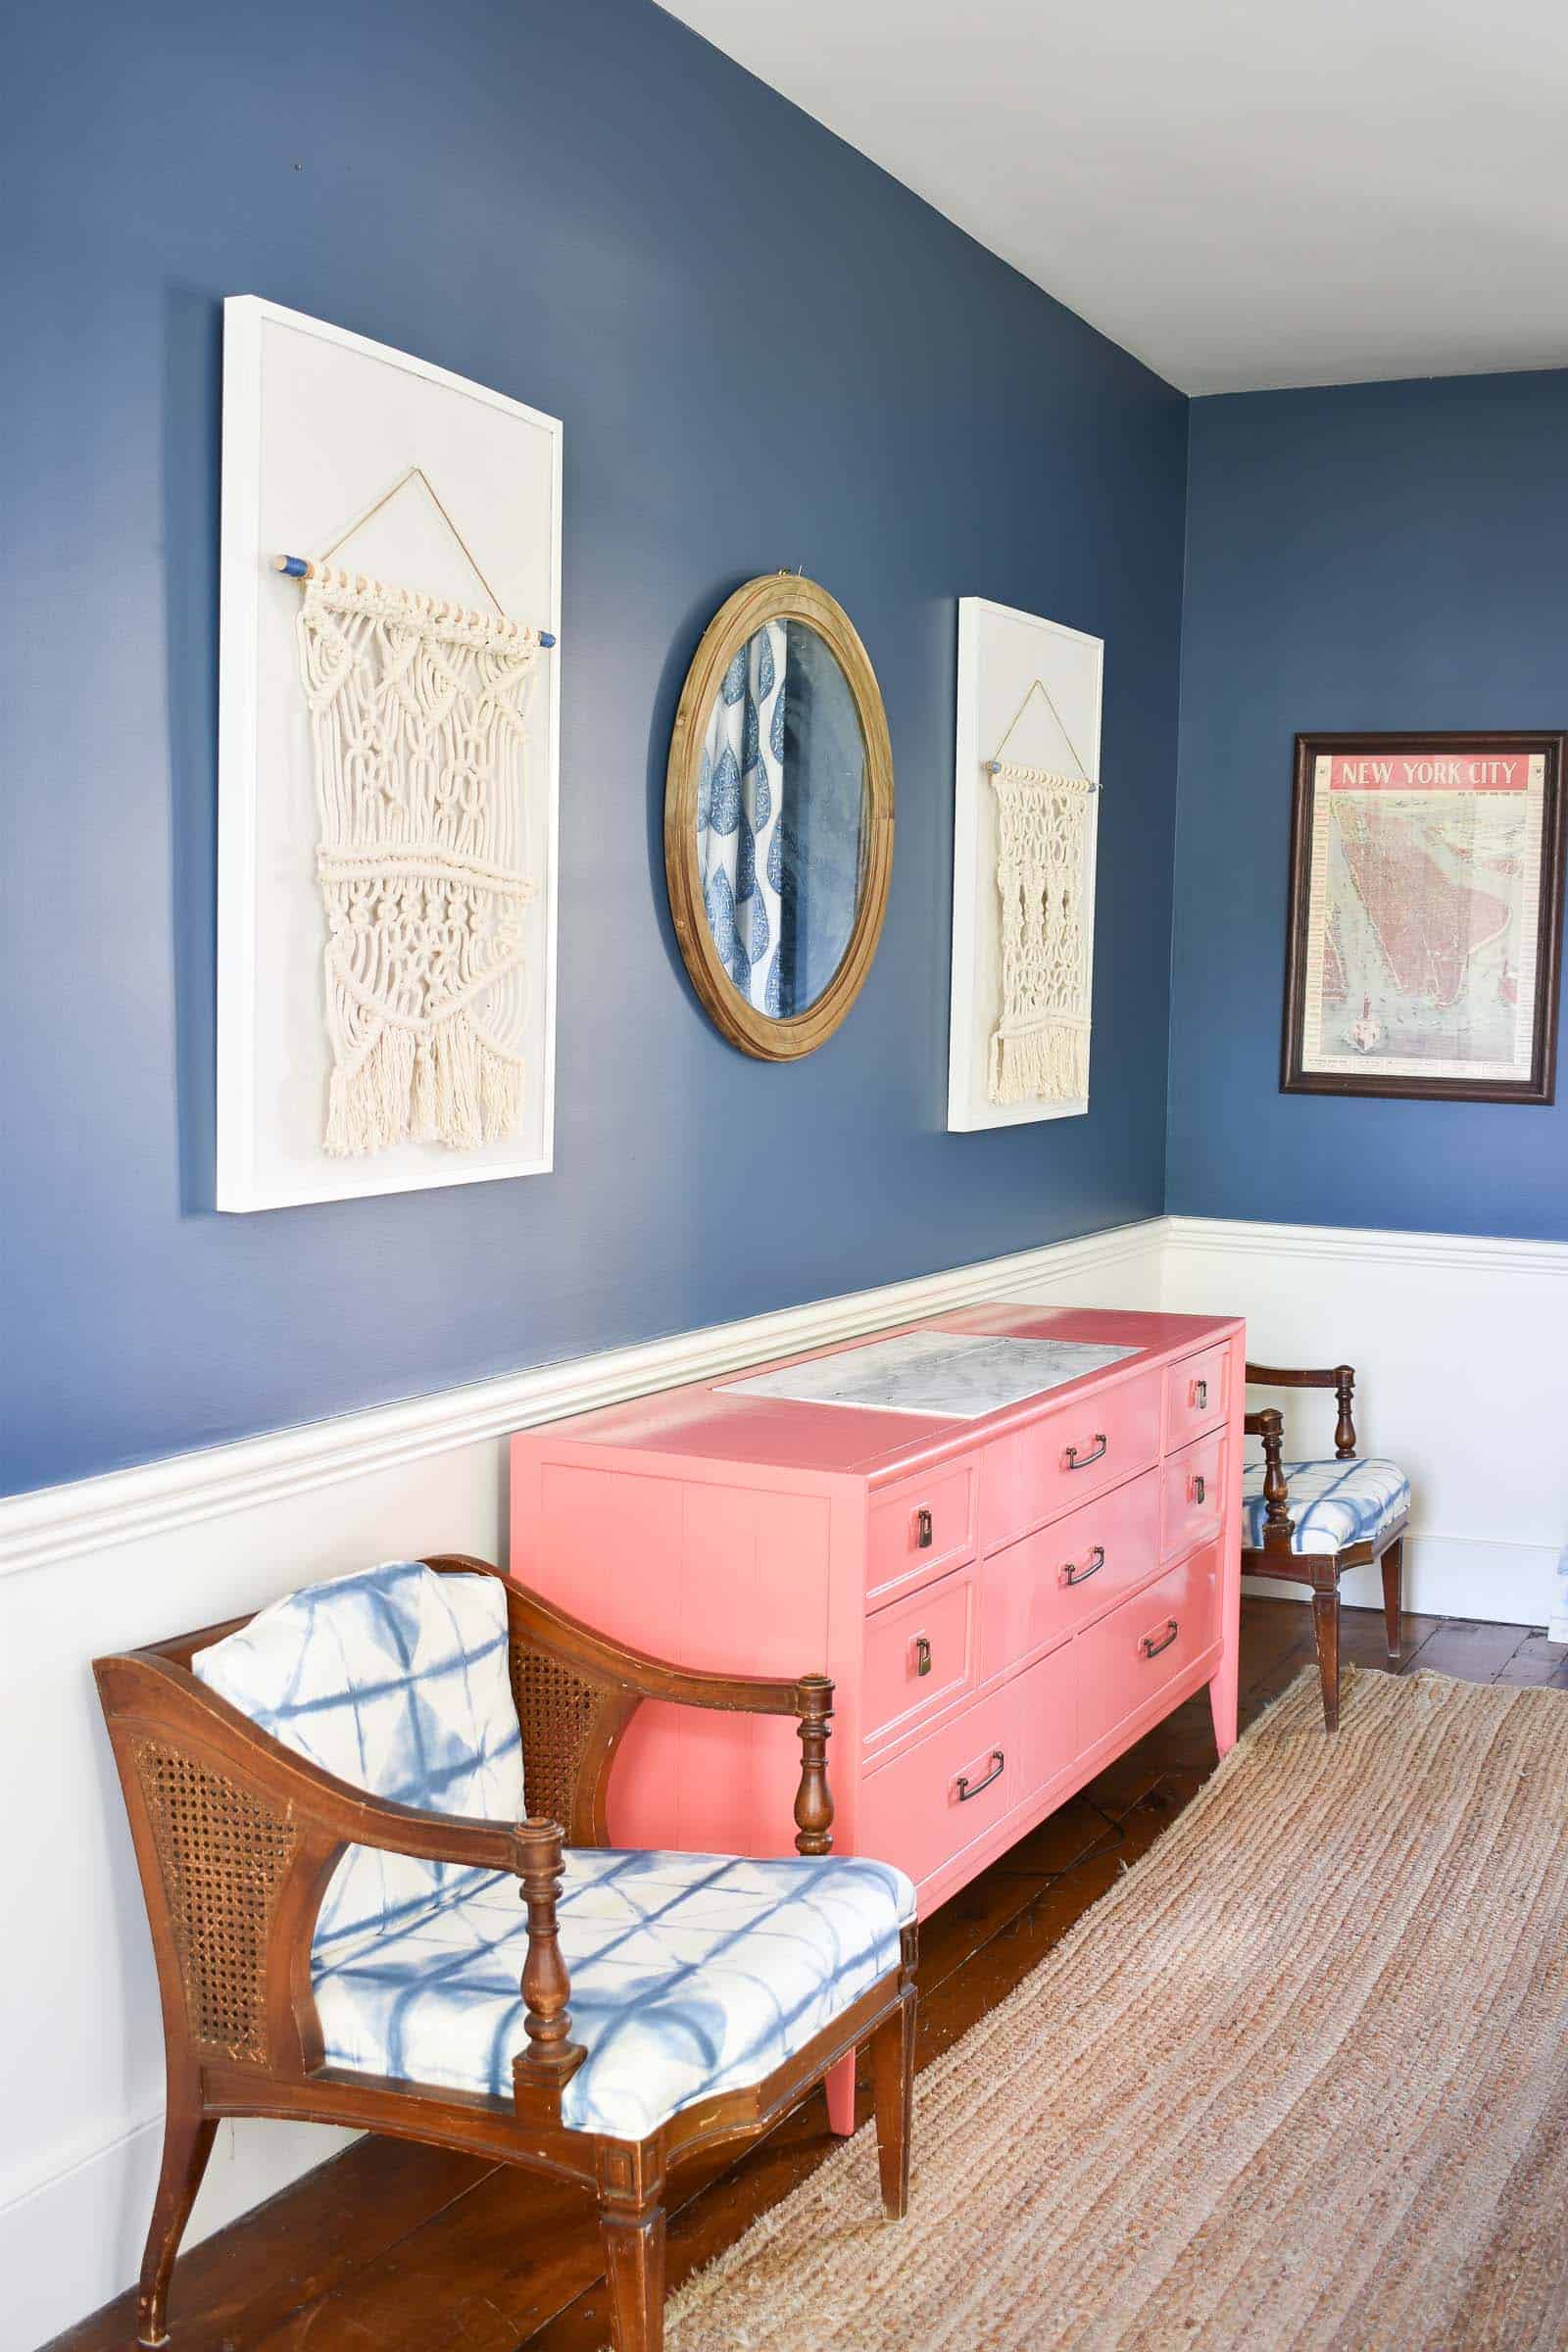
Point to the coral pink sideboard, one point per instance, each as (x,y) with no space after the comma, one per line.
(1003,1604)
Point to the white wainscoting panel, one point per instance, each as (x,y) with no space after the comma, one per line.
(113,1562)
(1457,1345)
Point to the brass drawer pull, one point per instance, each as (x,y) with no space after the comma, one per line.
(1199,1395)
(922,1528)
(1081,1461)
(1198,1489)
(1153,1644)
(998,1765)
(923,1654)
(1072,1574)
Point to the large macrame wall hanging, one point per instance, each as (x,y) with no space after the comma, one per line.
(420,727)
(1040,1048)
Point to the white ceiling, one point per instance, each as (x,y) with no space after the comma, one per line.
(1242,192)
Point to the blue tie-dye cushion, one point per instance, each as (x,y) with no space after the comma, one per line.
(690,1974)
(396,1678)
(1331,1504)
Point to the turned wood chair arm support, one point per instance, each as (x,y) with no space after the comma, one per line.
(551,2056)
(1341,1378)
(1269,1425)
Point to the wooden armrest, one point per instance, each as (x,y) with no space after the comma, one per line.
(1339,1377)
(617,1666)
(606,1660)
(170,1706)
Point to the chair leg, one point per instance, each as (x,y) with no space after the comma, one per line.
(187,2144)
(1326,1627)
(1392,1570)
(631,2230)
(893,2088)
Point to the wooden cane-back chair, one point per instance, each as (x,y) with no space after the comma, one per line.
(1307,1522)
(238,1837)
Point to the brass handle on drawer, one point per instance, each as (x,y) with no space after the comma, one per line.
(1081,1461)
(1195,1487)
(922,1528)
(1199,1395)
(1072,1574)
(1153,1644)
(998,1765)
(923,1654)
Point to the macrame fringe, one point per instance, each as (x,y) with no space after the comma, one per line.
(1040,1047)
(420,716)
(450,1087)
(1047,1064)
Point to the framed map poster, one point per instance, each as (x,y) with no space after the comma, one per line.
(1423,945)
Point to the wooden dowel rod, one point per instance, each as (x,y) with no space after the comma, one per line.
(300,568)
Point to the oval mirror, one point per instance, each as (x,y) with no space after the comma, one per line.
(778,817)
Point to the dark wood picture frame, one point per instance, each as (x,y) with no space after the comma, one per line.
(1539,1087)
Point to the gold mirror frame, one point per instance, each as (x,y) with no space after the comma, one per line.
(777,596)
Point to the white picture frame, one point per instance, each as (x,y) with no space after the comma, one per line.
(318,423)
(1002,651)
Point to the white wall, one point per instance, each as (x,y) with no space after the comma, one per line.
(1459,1349)
(1462,1378)
(117,1561)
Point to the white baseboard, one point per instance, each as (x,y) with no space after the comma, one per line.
(1444,1576)
(110,2188)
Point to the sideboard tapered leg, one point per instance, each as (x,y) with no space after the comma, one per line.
(838,2084)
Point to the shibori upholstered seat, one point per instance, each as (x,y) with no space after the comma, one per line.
(1307,1522)
(690,1974)
(336,1805)
(1331,1505)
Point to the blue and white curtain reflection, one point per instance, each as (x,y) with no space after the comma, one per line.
(740,809)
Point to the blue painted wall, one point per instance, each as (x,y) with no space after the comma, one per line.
(1380,556)
(766,353)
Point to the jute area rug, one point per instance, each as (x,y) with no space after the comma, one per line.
(1299,2079)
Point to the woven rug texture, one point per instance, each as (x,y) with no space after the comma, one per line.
(1299,2079)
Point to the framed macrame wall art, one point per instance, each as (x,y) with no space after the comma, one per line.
(1026,804)
(389,696)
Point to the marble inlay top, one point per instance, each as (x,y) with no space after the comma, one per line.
(940,1373)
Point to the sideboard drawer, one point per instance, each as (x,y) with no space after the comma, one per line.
(940,1796)
(1072,1452)
(919,1529)
(1003,1749)
(919,1655)
(1045,1583)
(1131,1656)
(1194,1496)
(1197,1395)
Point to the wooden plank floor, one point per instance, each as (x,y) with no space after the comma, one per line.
(392,2247)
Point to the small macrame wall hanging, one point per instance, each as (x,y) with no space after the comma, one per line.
(419,711)
(1040,1048)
